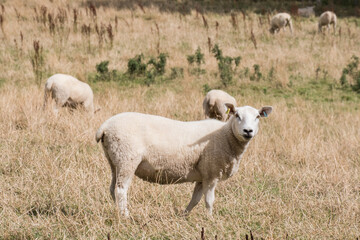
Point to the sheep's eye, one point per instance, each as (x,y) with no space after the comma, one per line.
(258,116)
(237,116)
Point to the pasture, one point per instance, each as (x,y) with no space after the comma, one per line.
(300,177)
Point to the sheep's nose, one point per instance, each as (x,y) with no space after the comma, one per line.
(248,131)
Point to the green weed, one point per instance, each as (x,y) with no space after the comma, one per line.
(136,65)
(257,75)
(352,71)
(225,65)
(197,58)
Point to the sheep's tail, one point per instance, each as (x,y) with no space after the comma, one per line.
(100,134)
(48,86)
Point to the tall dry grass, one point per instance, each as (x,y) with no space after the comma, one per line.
(299,178)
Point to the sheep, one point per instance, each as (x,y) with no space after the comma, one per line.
(325,19)
(306,12)
(213,104)
(166,151)
(68,92)
(280,20)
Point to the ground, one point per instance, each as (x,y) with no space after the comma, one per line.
(299,178)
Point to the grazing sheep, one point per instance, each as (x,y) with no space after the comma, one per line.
(327,18)
(280,20)
(68,92)
(306,11)
(165,151)
(214,104)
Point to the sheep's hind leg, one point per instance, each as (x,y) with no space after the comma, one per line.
(120,191)
(113,174)
(60,99)
(125,170)
(196,197)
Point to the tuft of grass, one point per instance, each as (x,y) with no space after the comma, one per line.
(37,59)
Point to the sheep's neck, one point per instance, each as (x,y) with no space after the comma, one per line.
(236,146)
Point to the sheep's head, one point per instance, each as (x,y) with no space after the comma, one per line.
(272,30)
(245,122)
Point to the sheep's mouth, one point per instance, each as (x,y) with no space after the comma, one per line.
(248,137)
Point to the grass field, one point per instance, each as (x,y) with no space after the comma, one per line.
(299,179)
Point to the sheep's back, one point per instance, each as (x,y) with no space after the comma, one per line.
(150,130)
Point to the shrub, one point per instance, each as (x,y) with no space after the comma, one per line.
(257,75)
(206,88)
(102,67)
(176,72)
(197,58)
(191,59)
(244,73)
(225,65)
(137,72)
(159,63)
(136,66)
(150,78)
(271,75)
(103,73)
(147,72)
(351,70)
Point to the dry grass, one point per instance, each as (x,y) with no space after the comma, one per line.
(299,178)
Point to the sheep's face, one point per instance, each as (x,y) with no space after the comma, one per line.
(245,123)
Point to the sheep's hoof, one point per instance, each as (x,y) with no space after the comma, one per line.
(185,213)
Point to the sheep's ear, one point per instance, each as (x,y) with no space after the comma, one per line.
(265,111)
(230,108)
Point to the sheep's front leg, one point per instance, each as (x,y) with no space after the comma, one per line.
(209,192)
(89,106)
(196,197)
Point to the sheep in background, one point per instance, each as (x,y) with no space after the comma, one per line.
(68,91)
(306,12)
(280,20)
(166,151)
(327,18)
(214,104)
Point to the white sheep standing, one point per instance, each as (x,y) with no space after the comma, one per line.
(280,20)
(214,104)
(166,151)
(325,19)
(68,91)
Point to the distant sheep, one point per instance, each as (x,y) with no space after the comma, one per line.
(67,91)
(214,104)
(166,151)
(327,18)
(306,12)
(280,20)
